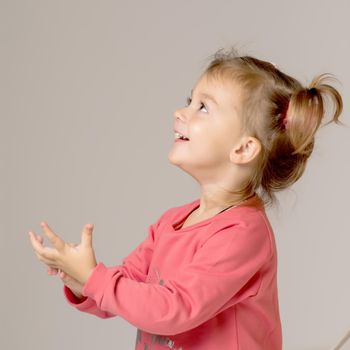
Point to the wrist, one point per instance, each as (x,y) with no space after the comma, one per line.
(72,296)
(77,295)
(87,274)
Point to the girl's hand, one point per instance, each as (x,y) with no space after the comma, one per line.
(70,282)
(76,261)
(50,270)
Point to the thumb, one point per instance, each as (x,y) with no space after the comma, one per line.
(86,235)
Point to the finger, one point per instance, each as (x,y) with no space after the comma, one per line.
(52,271)
(55,240)
(48,262)
(36,244)
(46,252)
(32,235)
(44,256)
(64,277)
(38,237)
(86,235)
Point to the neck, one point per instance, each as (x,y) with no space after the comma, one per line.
(220,207)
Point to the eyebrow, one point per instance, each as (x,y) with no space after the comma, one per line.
(207,96)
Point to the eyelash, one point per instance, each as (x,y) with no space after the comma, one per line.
(188,100)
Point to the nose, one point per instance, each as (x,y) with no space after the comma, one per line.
(179,114)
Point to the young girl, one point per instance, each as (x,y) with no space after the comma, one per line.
(205,277)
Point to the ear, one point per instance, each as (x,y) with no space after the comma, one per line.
(246,150)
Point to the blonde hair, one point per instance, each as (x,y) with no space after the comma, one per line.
(282,114)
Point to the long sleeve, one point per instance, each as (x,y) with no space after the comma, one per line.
(87,304)
(134,266)
(224,269)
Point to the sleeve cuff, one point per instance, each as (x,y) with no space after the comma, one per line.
(100,277)
(71,298)
(80,304)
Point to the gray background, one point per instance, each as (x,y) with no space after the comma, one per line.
(88,91)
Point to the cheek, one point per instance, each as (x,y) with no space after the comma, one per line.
(202,130)
(225,146)
(214,137)
(211,138)
(210,146)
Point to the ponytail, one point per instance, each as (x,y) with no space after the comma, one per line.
(307,110)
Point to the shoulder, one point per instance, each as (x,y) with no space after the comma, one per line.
(245,226)
(250,218)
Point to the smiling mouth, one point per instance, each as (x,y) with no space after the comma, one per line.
(180,137)
(181,140)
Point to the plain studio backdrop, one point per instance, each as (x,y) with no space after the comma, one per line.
(88,91)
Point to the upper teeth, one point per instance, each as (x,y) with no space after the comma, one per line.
(178,135)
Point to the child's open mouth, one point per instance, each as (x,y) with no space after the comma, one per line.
(180,138)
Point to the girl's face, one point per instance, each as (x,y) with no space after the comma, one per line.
(211,123)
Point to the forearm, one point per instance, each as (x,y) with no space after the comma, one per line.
(165,310)
(85,304)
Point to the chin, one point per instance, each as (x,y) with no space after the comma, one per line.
(173,159)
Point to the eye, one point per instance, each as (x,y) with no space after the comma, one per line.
(203,105)
(188,101)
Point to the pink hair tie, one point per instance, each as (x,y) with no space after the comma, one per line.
(285,119)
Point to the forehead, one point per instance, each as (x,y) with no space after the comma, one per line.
(224,94)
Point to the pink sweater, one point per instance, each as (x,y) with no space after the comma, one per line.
(209,286)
